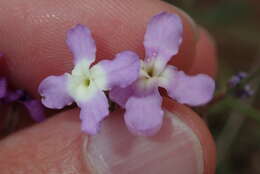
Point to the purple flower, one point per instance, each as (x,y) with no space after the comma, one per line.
(8,96)
(3,87)
(33,106)
(240,92)
(3,83)
(236,79)
(86,83)
(142,99)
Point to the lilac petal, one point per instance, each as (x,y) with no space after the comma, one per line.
(53,89)
(236,79)
(3,87)
(13,96)
(163,36)
(191,90)
(81,44)
(120,72)
(93,112)
(35,109)
(121,95)
(144,114)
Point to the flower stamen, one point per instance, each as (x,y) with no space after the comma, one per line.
(87,82)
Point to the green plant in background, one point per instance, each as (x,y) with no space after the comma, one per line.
(234,120)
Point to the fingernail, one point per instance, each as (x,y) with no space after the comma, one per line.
(175,149)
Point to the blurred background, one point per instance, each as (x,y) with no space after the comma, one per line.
(235,124)
(235,25)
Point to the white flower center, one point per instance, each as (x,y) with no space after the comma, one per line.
(83,82)
(150,74)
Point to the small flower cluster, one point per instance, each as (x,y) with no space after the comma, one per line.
(240,92)
(133,83)
(8,96)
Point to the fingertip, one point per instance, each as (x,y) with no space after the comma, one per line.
(115,149)
(183,145)
(205,60)
(35,43)
(3,67)
(184,60)
(200,129)
(53,146)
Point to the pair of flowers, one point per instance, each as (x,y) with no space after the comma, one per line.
(133,83)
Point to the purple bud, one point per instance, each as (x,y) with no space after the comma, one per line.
(3,87)
(8,96)
(240,92)
(236,79)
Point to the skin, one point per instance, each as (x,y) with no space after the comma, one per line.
(32,37)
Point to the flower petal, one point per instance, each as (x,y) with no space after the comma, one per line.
(35,109)
(191,90)
(120,72)
(93,112)
(3,87)
(144,114)
(54,91)
(13,96)
(163,37)
(236,79)
(81,44)
(121,95)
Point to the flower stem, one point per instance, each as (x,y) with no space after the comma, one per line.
(236,104)
(228,134)
(244,108)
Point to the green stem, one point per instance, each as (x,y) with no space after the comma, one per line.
(230,102)
(219,106)
(244,108)
(228,134)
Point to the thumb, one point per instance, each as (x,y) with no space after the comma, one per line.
(183,146)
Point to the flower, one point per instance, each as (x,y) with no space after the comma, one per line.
(8,96)
(142,99)
(86,84)
(243,91)
(3,83)
(3,87)
(236,79)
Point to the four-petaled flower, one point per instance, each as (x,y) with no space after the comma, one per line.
(86,83)
(142,99)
